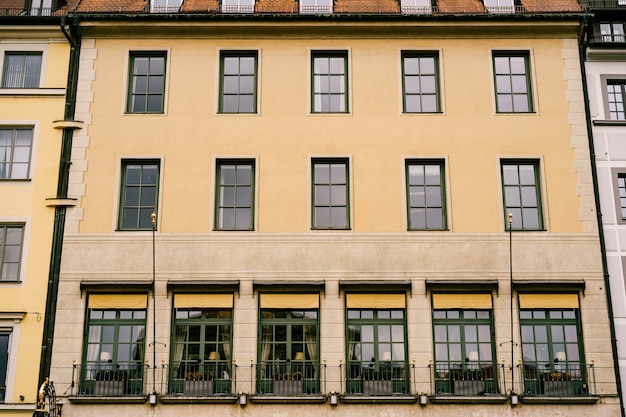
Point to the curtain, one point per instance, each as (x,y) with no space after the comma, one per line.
(310,336)
(179,348)
(266,347)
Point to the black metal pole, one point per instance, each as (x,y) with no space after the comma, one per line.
(153,216)
(510,217)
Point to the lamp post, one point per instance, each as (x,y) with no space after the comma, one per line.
(514,398)
(153,393)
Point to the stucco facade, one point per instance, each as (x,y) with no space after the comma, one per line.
(27,200)
(376,256)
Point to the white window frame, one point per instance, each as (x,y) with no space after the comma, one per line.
(38,46)
(171,6)
(237,6)
(416,6)
(500,6)
(317,6)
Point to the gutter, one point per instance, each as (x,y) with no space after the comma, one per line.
(583,43)
(73,37)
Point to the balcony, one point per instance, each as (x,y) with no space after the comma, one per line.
(237,8)
(214,377)
(297,380)
(558,379)
(466,379)
(122,379)
(419,9)
(382,378)
(607,39)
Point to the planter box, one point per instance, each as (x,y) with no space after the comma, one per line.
(558,388)
(198,388)
(469,387)
(288,388)
(109,388)
(377,388)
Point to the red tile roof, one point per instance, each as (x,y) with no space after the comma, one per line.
(383,7)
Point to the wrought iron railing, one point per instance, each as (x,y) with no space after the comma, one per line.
(419,9)
(605,4)
(289,378)
(468,378)
(107,379)
(237,8)
(215,377)
(377,378)
(608,38)
(557,379)
(316,9)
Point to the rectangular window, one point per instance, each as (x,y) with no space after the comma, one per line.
(425,195)
(238,82)
(5,337)
(616,90)
(139,194)
(238,6)
(377,351)
(11,243)
(612,32)
(499,6)
(146,82)
(201,351)
(165,6)
(420,82)
(464,352)
(416,6)
(330,82)
(522,194)
(316,6)
(21,70)
(113,358)
(512,82)
(15,152)
(621,184)
(552,354)
(330,194)
(235,195)
(288,353)
(41,8)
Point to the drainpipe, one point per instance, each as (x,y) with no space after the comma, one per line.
(582,42)
(73,38)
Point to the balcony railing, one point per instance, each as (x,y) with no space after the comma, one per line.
(561,379)
(110,380)
(605,4)
(377,378)
(468,378)
(237,8)
(290,378)
(200,379)
(608,38)
(419,9)
(316,9)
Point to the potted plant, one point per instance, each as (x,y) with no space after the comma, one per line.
(198,383)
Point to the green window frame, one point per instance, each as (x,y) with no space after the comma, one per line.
(288,350)
(551,349)
(235,194)
(139,194)
(5,339)
(114,348)
(329,82)
(616,94)
(512,82)
(238,81)
(420,82)
(426,194)
(146,82)
(21,70)
(201,350)
(330,194)
(522,194)
(376,351)
(15,152)
(11,247)
(464,351)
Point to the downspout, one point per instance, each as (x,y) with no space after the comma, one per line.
(582,42)
(73,38)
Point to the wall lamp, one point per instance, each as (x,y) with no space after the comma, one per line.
(152,398)
(423,399)
(243,399)
(334,398)
(514,399)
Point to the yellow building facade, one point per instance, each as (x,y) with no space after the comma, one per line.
(32,97)
(331,231)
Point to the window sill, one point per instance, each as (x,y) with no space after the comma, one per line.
(379,399)
(11,282)
(539,399)
(203,399)
(468,399)
(609,122)
(5,180)
(287,399)
(17,406)
(93,399)
(34,92)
